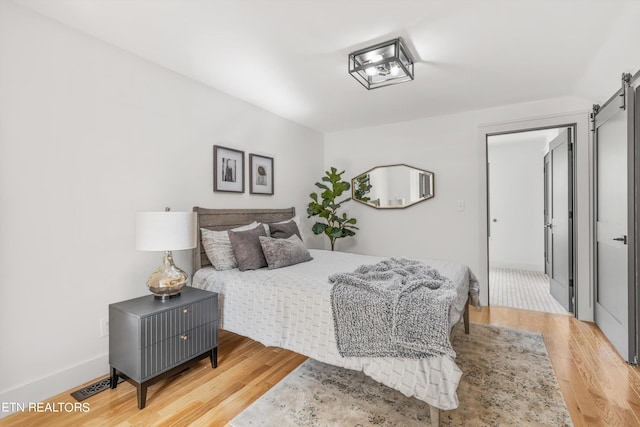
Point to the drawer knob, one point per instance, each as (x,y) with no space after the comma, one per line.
(184,337)
(185,311)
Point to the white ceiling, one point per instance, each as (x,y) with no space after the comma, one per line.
(290,56)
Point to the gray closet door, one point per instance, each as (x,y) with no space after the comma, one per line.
(614,273)
(560,245)
(547,214)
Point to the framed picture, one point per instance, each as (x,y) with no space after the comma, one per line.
(228,169)
(260,174)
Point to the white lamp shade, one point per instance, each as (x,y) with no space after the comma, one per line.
(165,231)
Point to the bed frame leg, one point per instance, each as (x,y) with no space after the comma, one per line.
(435,416)
(465,317)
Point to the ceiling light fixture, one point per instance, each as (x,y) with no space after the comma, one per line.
(384,64)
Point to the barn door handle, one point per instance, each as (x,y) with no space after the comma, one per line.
(548,225)
(621,239)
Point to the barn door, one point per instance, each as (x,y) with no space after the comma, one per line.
(614,164)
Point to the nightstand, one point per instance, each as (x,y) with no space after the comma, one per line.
(151,339)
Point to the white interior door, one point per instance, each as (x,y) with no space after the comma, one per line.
(614,279)
(559,228)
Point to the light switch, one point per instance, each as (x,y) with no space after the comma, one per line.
(460,206)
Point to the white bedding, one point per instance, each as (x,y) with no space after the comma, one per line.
(290,308)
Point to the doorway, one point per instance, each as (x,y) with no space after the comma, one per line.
(530,187)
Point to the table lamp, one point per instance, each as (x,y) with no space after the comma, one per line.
(166,231)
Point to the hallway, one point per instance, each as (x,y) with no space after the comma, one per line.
(528,290)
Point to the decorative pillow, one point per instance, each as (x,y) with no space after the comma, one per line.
(283,230)
(247,249)
(218,247)
(284,252)
(295,219)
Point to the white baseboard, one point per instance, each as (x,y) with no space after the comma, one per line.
(51,385)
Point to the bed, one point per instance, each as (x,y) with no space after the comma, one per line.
(290,308)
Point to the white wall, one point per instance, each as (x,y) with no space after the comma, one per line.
(516,191)
(453,147)
(89,135)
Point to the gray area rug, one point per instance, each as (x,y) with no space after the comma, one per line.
(507,381)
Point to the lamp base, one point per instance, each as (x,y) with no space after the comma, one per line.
(168,280)
(166,297)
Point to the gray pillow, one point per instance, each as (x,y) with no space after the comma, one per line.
(247,249)
(283,230)
(284,252)
(218,248)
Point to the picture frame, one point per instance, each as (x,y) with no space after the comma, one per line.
(228,170)
(260,174)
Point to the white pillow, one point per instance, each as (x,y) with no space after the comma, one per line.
(218,247)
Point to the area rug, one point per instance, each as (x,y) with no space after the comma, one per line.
(507,381)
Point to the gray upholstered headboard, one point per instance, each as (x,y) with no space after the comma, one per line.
(224,219)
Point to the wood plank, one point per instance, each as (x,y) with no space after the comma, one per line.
(598,387)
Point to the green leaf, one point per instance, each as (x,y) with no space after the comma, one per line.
(324,187)
(318,228)
(327,195)
(336,233)
(338,189)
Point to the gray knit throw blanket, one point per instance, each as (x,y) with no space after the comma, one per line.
(396,308)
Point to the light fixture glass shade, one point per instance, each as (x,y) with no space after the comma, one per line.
(381,65)
(166,231)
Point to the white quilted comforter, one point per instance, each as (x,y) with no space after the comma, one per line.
(291,308)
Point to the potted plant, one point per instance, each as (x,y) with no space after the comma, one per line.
(326,206)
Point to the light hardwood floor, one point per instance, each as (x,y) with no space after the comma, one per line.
(599,388)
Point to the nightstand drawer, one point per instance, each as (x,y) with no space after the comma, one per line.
(169,323)
(165,354)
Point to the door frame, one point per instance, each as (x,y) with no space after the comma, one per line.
(571,191)
(636,208)
(582,215)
